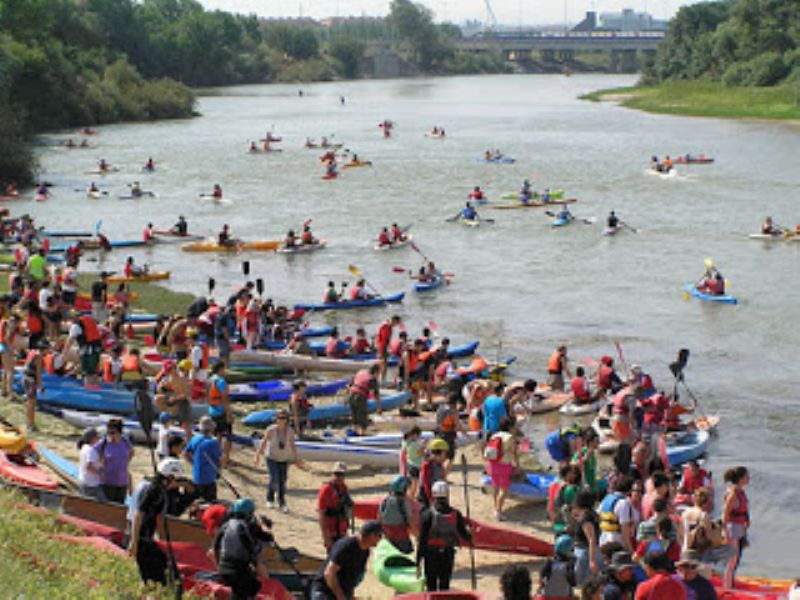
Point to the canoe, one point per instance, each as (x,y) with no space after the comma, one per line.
(279,391)
(502,160)
(429,286)
(725,298)
(330,176)
(23,469)
(150,276)
(554,195)
(303,248)
(347,304)
(574,409)
(357,163)
(395,569)
(211,245)
(299,362)
(395,245)
(105,171)
(533,488)
(485,536)
(390,400)
(534,204)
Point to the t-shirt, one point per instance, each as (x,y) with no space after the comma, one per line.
(494,409)
(352,562)
(661,586)
(415,453)
(279,445)
(626,513)
(673,549)
(589,469)
(89,456)
(206,453)
(702,588)
(117,457)
(99,289)
(36,266)
(196,357)
(136,496)
(44,294)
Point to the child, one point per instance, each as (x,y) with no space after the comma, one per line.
(412,454)
(557,577)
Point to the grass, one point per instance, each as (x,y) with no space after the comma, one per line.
(707,99)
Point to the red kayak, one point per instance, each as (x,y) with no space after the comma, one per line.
(22,468)
(330,176)
(752,588)
(493,538)
(456,595)
(99,543)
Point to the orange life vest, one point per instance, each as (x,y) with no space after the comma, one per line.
(34,323)
(554,364)
(131,368)
(91,332)
(215,396)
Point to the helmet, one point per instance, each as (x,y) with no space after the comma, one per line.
(168,364)
(564,545)
(164,417)
(440,490)
(439,444)
(244,506)
(400,484)
(171,467)
(185,365)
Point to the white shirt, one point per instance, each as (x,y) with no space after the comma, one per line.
(89,456)
(44,294)
(68,280)
(196,356)
(163,438)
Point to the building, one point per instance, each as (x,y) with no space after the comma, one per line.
(628,20)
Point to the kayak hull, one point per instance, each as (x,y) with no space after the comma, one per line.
(213,246)
(20,468)
(152,276)
(723,299)
(298,361)
(303,248)
(429,286)
(396,569)
(533,489)
(348,304)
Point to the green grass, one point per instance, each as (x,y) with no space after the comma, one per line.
(708,99)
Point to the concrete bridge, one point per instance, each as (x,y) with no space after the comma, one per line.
(575,41)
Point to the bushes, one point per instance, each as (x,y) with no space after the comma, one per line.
(764,70)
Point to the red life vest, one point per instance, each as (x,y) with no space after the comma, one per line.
(360,345)
(356,292)
(443,532)
(91,333)
(108,375)
(34,323)
(384,334)
(204,359)
(554,365)
(580,388)
(620,403)
(383,238)
(362,383)
(692,483)
(332,348)
(741,514)
(604,374)
(656,409)
(131,367)
(395,348)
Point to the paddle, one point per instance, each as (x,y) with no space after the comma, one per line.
(416,249)
(354,270)
(246,268)
(677,368)
(624,224)
(619,353)
(97,226)
(434,328)
(260,287)
(212,283)
(473,577)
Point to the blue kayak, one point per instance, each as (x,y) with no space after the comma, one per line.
(687,445)
(278,390)
(460,351)
(533,488)
(502,160)
(67,234)
(328,412)
(378,301)
(559,222)
(66,468)
(725,298)
(306,333)
(429,286)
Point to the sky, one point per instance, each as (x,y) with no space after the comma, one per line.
(508,12)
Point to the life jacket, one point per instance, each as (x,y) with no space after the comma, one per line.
(656,409)
(580,388)
(308,237)
(303,405)
(443,532)
(442,370)
(393,515)
(251,318)
(90,332)
(330,295)
(34,323)
(107,369)
(49,365)
(557,584)
(236,545)
(396,347)
(397,234)
(604,377)
(357,293)
(690,483)
(383,238)
(360,345)
(343,509)
(741,514)
(362,383)
(128,270)
(449,422)
(620,407)
(554,364)
(215,396)
(131,368)
(333,348)
(384,335)
(609,522)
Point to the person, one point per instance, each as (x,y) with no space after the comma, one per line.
(37,266)
(181,227)
(468,213)
(278,442)
(557,577)
(660,584)
(713,284)
(346,564)
(769,228)
(586,537)
(90,467)
(219,408)
(586,458)
(432,470)
(330,168)
(515,583)
(360,344)
(647,530)
(526,188)
(398,235)
(334,346)
(165,421)
(308,238)
(557,368)
(203,452)
(384,238)
(224,237)
(667,164)
(149,165)
(132,269)
(494,409)
(331,295)
(383,341)
(237,546)
(359,291)
(395,514)
(217,192)
(448,424)
(476,195)
(363,386)
(412,454)
(612,222)
(580,388)
(620,578)
(168,492)
(561,496)
(501,462)
(32,380)
(136,189)
(253,149)
(300,407)
(618,517)
(290,241)
(623,407)
(736,518)
(441,530)
(334,507)
(688,570)
(9,338)
(564,214)
(115,453)
(662,543)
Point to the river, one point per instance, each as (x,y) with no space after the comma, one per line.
(520,286)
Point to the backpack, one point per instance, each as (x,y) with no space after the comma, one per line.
(494,449)
(697,538)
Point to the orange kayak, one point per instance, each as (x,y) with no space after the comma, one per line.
(21,468)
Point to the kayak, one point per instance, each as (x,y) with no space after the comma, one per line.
(669,174)
(686,445)
(22,468)
(574,409)
(500,160)
(346,304)
(724,298)
(429,286)
(471,222)
(66,469)
(142,194)
(554,195)
(395,440)
(485,536)
(692,160)
(94,244)
(5,197)
(435,136)
(279,390)
(395,569)
(150,276)
(559,222)
(300,362)
(211,245)
(105,171)
(770,237)
(69,234)
(357,163)
(459,351)
(404,242)
(95,195)
(609,231)
(390,400)
(11,439)
(546,402)
(533,488)
(306,333)
(534,204)
(330,176)
(41,197)
(171,235)
(303,248)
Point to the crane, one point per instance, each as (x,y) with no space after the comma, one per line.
(491,19)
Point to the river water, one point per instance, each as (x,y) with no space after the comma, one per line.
(520,286)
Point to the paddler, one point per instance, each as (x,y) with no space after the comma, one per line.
(564,214)
(149,165)
(330,168)
(655,165)
(384,238)
(93,189)
(224,237)
(41,190)
(253,148)
(331,295)
(148,235)
(383,341)
(667,164)
(363,386)
(557,368)
(526,188)
(360,344)
(359,291)
(468,213)
(136,189)
(713,283)
(181,227)
(612,222)
(102,166)
(442,529)
(487,155)
(290,241)
(217,192)
(133,270)
(476,194)
(395,514)
(768,228)
(397,233)
(69,143)
(308,238)
(606,378)
(580,388)
(84,143)
(334,346)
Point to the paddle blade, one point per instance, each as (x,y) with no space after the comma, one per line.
(144,411)
(354,270)
(260,286)
(398,269)
(708,263)
(246,268)
(686,295)
(212,283)
(432,325)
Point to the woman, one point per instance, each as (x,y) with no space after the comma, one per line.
(501,468)
(278,441)
(412,453)
(587,536)
(34,320)
(300,406)
(698,531)
(736,518)
(621,468)
(251,324)
(90,470)
(115,453)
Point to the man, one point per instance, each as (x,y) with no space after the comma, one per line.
(85,332)
(37,266)
(172,394)
(518,393)
(100,298)
(219,408)
(647,529)
(181,227)
(432,470)
(660,584)
(557,368)
(383,340)
(618,516)
(494,409)
(606,378)
(660,489)
(344,569)
(687,569)
(620,582)
(364,385)
(9,339)
(441,530)
(448,424)
(204,452)
(334,507)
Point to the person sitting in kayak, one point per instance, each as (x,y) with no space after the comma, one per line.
(323,142)
(667,165)
(149,166)
(181,227)
(224,237)
(397,233)
(422,275)
(84,143)
(309,143)
(359,291)
(564,214)
(384,239)
(134,270)
(102,165)
(11,189)
(488,155)
(308,238)
(526,188)
(148,235)
(468,213)
(360,344)
(354,160)
(769,228)
(546,195)
(69,143)
(430,271)
(217,193)
(291,239)
(330,168)
(612,221)
(713,284)
(655,165)
(103,242)
(253,148)
(41,190)
(334,346)
(136,189)
(476,193)
(331,295)
(93,188)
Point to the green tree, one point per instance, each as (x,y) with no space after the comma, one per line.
(349,52)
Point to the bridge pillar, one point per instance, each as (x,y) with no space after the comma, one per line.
(566,56)
(623,61)
(548,55)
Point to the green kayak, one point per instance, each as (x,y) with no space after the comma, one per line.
(554,195)
(395,569)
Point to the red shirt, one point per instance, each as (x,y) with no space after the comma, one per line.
(328,501)
(661,586)
(213,517)
(673,550)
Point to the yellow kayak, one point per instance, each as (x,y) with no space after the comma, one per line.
(11,439)
(357,163)
(151,276)
(213,246)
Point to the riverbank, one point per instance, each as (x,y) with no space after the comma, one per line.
(706,99)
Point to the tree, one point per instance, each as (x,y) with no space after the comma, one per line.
(349,52)
(414,25)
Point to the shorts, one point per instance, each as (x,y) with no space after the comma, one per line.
(413,472)
(500,473)
(358,410)
(68,297)
(183,410)
(29,383)
(555,381)
(89,360)
(222,428)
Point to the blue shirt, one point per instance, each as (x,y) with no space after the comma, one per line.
(206,453)
(222,386)
(494,409)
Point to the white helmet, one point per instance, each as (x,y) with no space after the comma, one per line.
(171,467)
(440,489)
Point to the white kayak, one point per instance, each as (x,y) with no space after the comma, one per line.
(130,428)
(574,409)
(668,175)
(404,242)
(394,440)
(299,361)
(373,456)
(303,248)
(609,231)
